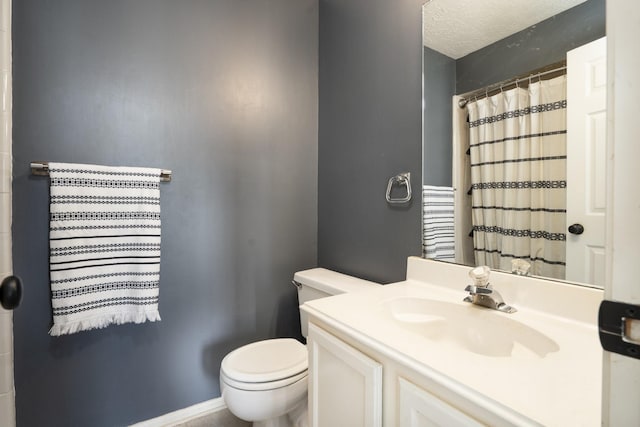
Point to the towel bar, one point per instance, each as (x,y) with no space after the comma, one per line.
(42,168)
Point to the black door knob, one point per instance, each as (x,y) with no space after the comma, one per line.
(576,229)
(10,292)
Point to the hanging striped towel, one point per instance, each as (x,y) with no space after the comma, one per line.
(104,241)
(438,225)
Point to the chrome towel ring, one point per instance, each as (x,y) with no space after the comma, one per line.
(402,179)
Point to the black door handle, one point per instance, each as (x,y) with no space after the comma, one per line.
(576,229)
(10,292)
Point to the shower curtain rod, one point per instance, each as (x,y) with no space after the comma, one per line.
(556,69)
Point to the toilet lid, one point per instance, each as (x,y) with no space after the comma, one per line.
(266,361)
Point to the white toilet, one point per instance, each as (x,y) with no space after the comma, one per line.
(265,382)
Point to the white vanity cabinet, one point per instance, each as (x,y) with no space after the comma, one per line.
(413,354)
(345,385)
(348,388)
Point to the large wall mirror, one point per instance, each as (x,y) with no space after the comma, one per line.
(514,136)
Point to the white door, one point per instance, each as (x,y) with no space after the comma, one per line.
(621,378)
(586,162)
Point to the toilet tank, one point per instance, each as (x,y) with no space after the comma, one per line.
(320,282)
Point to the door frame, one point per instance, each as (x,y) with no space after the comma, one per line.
(7,388)
(621,375)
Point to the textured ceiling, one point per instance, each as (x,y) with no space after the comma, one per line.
(458,27)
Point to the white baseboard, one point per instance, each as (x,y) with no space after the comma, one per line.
(186,414)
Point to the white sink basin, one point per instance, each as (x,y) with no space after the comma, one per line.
(471,327)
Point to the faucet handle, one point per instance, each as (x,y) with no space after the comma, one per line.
(520,267)
(480,275)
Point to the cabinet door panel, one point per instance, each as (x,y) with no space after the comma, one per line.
(345,386)
(419,408)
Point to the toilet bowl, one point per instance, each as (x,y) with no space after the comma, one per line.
(265,382)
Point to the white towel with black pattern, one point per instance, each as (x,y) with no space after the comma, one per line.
(104,241)
(438,238)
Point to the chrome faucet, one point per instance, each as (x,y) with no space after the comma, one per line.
(481,292)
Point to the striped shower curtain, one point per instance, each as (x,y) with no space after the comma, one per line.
(518,176)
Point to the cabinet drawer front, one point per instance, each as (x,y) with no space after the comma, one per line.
(419,408)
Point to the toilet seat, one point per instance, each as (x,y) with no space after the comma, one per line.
(265,365)
(270,385)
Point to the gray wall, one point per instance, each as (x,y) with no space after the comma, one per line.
(370,129)
(544,43)
(224,93)
(439,86)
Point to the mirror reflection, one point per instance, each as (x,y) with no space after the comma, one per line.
(513,144)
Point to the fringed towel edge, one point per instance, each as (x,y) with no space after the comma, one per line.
(100,322)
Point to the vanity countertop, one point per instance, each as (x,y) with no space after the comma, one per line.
(553,379)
